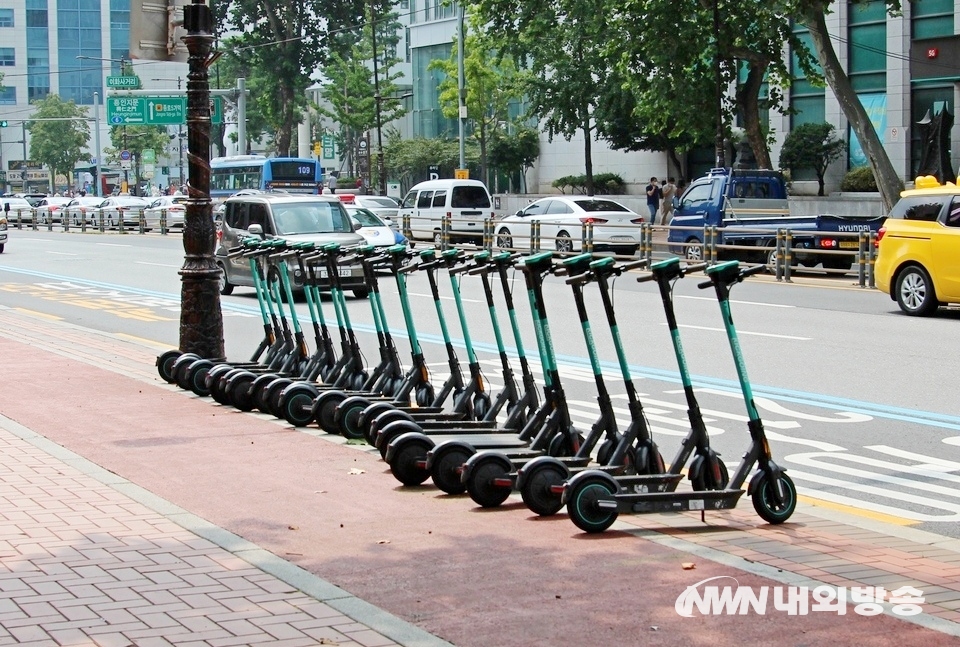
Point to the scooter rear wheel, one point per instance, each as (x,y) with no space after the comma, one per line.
(198,377)
(536,492)
(583,507)
(445,469)
(763,500)
(296,403)
(165,365)
(480,485)
(405,465)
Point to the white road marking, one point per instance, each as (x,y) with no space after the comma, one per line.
(744,332)
(158,264)
(444,297)
(63,253)
(746,303)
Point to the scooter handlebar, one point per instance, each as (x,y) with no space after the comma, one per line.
(406,269)
(633,265)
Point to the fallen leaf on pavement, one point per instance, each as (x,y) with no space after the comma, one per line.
(688,566)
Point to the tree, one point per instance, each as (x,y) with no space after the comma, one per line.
(284,42)
(409,160)
(812,146)
(812,14)
(62,143)
(350,96)
(491,84)
(136,139)
(515,153)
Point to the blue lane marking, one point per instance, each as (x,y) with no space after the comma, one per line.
(821,401)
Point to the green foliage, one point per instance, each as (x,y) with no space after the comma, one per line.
(604,183)
(408,160)
(136,139)
(351,95)
(811,146)
(492,83)
(514,153)
(59,144)
(859,179)
(282,42)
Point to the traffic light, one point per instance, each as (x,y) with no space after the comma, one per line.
(4,124)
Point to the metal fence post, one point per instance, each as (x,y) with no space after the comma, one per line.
(445,232)
(535,236)
(405,226)
(163,222)
(871,259)
(862,259)
(142,218)
(49,220)
(33,219)
(787,255)
(588,237)
(778,256)
(646,241)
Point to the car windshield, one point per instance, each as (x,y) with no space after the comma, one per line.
(131,202)
(311,218)
(366,218)
(600,205)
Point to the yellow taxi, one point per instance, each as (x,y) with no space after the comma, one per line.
(918,262)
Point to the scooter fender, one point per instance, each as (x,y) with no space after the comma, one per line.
(474,460)
(586,474)
(397,443)
(308,387)
(384,418)
(446,446)
(394,430)
(775,471)
(530,466)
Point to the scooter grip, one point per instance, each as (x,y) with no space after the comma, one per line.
(645,278)
(705,284)
(632,265)
(694,268)
(756,269)
(406,269)
(580,279)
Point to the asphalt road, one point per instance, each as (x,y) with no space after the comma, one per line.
(856,397)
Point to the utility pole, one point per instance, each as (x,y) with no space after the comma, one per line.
(201,319)
(98,190)
(720,161)
(381,174)
(461,87)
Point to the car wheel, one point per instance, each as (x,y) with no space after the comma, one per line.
(438,238)
(694,251)
(504,239)
(564,243)
(226,287)
(915,293)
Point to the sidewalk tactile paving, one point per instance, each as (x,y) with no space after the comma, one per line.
(81,564)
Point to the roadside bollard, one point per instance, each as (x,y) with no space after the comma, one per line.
(163,222)
(49,219)
(33,219)
(778,256)
(646,241)
(445,224)
(587,235)
(863,241)
(405,226)
(142,222)
(871,259)
(787,255)
(535,236)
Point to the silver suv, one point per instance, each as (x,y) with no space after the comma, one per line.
(316,219)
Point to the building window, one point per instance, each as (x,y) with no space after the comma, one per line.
(428,119)
(38,50)
(807,101)
(6,17)
(923,101)
(406,44)
(79,34)
(867,46)
(8,56)
(931,18)
(8,96)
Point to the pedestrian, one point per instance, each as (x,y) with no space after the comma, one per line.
(653,199)
(332,182)
(681,187)
(669,191)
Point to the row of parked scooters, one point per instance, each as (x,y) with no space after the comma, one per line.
(459,434)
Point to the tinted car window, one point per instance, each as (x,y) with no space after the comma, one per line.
(425,199)
(440,198)
(312,218)
(469,197)
(366,218)
(697,194)
(556,206)
(953,217)
(409,201)
(535,209)
(919,207)
(600,205)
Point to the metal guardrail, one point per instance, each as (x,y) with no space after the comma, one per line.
(18,219)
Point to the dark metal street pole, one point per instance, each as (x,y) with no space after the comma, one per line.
(201,320)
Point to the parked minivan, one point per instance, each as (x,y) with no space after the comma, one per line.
(317,219)
(467,201)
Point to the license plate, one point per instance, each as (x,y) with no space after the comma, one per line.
(343,272)
(849,244)
(621,238)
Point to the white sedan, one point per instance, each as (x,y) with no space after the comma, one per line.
(125,207)
(49,209)
(175,207)
(373,229)
(562,225)
(81,209)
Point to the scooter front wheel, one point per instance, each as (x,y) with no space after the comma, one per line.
(481,486)
(445,469)
(296,404)
(764,501)
(165,365)
(703,478)
(584,505)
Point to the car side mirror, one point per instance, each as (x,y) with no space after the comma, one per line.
(357,226)
(255,230)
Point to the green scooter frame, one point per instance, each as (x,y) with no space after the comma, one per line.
(594,499)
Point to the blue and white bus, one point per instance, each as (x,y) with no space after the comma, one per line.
(291,174)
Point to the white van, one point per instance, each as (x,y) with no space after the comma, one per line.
(467,201)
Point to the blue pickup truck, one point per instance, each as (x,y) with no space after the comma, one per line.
(747,207)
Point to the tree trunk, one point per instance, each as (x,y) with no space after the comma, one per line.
(748,96)
(888,182)
(587,150)
(287,124)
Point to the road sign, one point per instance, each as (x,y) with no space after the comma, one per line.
(461,174)
(155,111)
(126,82)
(148,156)
(125,156)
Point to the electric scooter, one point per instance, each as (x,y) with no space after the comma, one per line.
(594,499)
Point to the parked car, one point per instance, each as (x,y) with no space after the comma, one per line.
(82,209)
(33,198)
(49,209)
(175,207)
(317,219)
(615,227)
(373,228)
(466,201)
(17,210)
(126,207)
(918,261)
(383,206)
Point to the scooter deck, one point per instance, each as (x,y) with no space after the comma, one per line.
(632,481)
(672,501)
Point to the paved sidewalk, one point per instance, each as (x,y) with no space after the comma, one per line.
(136,514)
(83,563)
